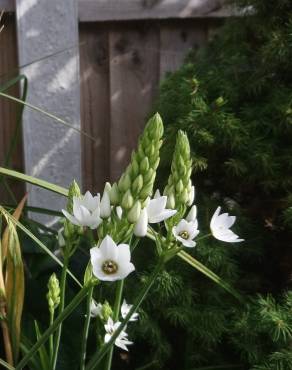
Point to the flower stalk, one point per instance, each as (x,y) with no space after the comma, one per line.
(86,329)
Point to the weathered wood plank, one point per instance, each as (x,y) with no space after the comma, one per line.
(177,39)
(7,5)
(116,10)
(95,105)
(8,111)
(134,69)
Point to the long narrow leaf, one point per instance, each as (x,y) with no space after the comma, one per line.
(6,365)
(55,118)
(38,242)
(210,274)
(35,181)
(44,357)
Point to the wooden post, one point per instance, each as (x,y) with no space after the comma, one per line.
(48,53)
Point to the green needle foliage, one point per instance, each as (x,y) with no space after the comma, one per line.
(234,101)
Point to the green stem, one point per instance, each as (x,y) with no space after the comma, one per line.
(6,365)
(86,330)
(117,305)
(66,312)
(61,308)
(51,336)
(99,355)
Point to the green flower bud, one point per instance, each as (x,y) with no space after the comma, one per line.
(137,184)
(124,183)
(107,187)
(106,311)
(134,212)
(127,201)
(53,295)
(114,194)
(179,185)
(74,191)
(144,166)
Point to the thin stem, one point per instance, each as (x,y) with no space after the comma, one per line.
(66,312)
(51,336)
(86,330)
(117,305)
(99,355)
(61,308)
(6,339)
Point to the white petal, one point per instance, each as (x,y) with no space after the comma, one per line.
(157,194)
(95,255)
(164,215)
(124,270)
(191,196)
(214,217)
(192,215)
(71,218)
(119,211)
(124,254)
(109,249)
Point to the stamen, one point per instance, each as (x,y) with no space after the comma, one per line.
(109,267)
(184,234)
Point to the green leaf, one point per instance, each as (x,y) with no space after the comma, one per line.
(35,181)
(210,274)
(6,365)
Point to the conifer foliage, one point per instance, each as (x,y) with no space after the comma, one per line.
(234,100)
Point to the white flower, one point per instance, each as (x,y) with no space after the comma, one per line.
(191,196)
(95,309)
(111,262)
(185,232)
(156,210)
(125,310)
(86,211)
(220,225)
(141,225)
(105,205)
(157,194)
(192,215)
(122,339)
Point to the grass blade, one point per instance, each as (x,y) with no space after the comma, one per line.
(6,365)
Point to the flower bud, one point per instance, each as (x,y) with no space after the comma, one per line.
(53,295)
(114,194)
(74,191)
(140,228)
(105,205)
(119,212)
(127,201)
(124,182)
(137,184)
(170,201)
(134,212)
(144,166)
(191,196)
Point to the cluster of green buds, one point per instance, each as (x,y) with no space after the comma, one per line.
(136,184)
(53,295)
(179,190)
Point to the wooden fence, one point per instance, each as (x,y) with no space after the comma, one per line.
(121,65)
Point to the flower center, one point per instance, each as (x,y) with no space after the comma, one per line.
(184,234)
(109,267)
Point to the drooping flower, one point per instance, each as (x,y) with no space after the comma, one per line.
(192,215)
(111,262)
(95,309)
(185,232)
(156,210)
(86,211)
(220,227)
(122,339)
(125,308)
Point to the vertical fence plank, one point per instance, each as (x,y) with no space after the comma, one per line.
(8,110)
(176,40)
(95,110)
(134,66)
(47,33)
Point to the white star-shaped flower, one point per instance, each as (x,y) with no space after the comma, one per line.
(125,308)
(220,227)
(185,232)
(111,262)
(122,339)
(156,210)
(86,211)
